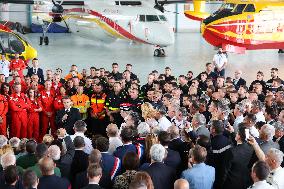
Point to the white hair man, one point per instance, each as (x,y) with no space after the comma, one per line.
(266,134)
(3,140)
(80,127)
(114,140)
(239,112)
(274,158)
(14,142)
(167,178)
(198,124)
(7,160)
(54,152)
(143,129)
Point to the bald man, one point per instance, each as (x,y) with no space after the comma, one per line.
(49,179)
(238,81)
(181,184)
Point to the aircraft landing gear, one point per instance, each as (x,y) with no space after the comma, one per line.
(159,52)
(281,51)
(44,40)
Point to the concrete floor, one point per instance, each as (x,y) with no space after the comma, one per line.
(190,52)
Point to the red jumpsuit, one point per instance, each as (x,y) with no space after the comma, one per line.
(47,107)
(19,118)
(3,112)
(56,88)
(33,122)
(58,104)
(18,64)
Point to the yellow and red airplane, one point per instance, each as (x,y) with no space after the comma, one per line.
(12,42)
(240,25)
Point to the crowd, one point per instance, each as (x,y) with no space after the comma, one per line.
(102,129)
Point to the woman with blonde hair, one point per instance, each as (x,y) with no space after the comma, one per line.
(148,113)
(150,140)
(7,148)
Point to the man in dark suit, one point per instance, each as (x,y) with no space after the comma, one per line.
(111,165)
(238,81)
(80,159)
(49,179)
(236,173)
(36,70)
(82,178)
(163,176)
(66,117)
(94,175)
(173,158)
(11,178)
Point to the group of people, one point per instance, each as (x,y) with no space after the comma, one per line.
(103,129)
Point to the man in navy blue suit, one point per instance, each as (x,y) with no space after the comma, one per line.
(173,158)
(163,176)
(111,165)
(35,70)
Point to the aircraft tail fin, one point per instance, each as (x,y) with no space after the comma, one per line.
(198,12)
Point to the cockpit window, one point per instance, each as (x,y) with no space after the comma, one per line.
(227,7)
(239,8)
(152,18)
(10,43)
(162,18)
(142,18)
(249,8)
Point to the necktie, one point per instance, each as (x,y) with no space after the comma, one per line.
(35,71)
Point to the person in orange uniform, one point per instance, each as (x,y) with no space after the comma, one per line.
(33,115)
(98,111)
(3,112)
(48,114)
(58,103)
(81,101)
(18,105)
(18,65)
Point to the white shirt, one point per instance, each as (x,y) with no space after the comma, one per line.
(114,142)
(238,120)
(164,123)
(4,67)
(260,117)
(88,143)
(261,185)
(219,60)
(276,178)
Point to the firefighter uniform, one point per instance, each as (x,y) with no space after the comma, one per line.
(47,100)
(18,104)
(113,102)
(18,64)
(3,112)
(82,103)
(33,119)
(97,114)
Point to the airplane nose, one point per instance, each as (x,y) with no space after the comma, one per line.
(166,37)
(31,53)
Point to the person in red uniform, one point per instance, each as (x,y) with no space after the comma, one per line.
(18,65)
(3,112)
(58,103)
(48,114)
(18,105)
(56,84)
(33,115)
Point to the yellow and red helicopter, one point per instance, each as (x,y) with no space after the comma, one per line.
(240,25)
(12,42)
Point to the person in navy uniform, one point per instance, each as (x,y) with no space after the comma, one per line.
(111,165)
(127,136)
(36,70)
